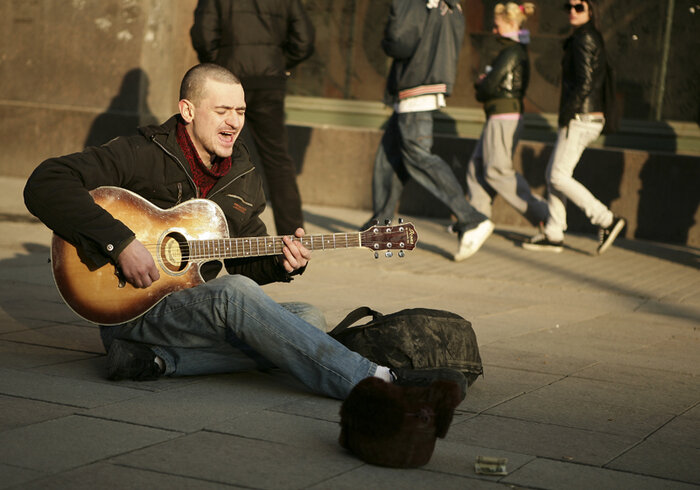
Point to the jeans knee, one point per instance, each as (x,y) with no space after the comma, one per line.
(229,285)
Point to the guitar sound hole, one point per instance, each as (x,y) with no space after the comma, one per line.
(174,252)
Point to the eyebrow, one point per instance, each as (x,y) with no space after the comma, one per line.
(230,107)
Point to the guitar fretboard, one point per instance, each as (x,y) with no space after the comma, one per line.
(230,248)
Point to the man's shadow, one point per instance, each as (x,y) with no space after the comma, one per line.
(126,112)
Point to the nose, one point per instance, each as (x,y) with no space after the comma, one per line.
(235,120)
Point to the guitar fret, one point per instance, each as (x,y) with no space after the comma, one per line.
(222,248)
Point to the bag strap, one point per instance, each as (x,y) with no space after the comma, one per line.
(354,316)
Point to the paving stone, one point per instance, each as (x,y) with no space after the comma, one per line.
(391,478)
(103,475)
(73,441)
(242,461)
(500,384)
(196,405)
(621,395)
(577,412)
(548,362)
(15,355)
(537,439)
(64,391)
(14,477)
(312,406)
(548,474)
(80,338)
(672,462)
(685,315)
(681,431)
(664,383)
(18,412)
(293,430)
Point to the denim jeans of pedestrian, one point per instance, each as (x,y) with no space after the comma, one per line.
(405,151)
(561,185)
(229,324)
(490,172)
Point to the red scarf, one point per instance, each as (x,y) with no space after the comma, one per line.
(204,177)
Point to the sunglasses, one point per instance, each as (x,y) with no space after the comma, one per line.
(579,7)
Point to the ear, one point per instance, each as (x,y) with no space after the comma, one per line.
(186,110)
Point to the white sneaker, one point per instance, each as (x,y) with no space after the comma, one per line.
(470,241)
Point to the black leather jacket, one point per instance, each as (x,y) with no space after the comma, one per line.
(583,74)
(504,86)
(258,40)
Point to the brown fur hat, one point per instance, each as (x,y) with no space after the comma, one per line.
(390,425)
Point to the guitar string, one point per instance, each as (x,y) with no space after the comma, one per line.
(214,248)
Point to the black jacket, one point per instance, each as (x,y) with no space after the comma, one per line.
(258,40)
(583,74)
(503,88)
(425,45)
(152,165)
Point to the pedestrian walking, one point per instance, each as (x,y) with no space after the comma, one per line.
(424,40)
(501,89)
(581,121)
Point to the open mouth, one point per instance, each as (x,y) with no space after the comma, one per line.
(226,136)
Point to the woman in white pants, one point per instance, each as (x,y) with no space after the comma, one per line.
(581,121)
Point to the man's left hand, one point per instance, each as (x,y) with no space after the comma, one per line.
(294,255)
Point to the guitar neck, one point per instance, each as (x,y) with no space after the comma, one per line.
(232,248)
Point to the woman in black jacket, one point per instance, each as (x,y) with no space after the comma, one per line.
(581,121)
(501,89)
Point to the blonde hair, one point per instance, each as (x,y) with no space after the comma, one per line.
(513,12)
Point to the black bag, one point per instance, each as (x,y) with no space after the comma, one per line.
(414,338)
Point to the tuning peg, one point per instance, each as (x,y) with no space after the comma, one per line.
(376,255)
(389,254)
(387,221)
(401,253)
(400,221)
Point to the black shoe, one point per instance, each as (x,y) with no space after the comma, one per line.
(128,360)
(540,243)
(606,236)
(425,377)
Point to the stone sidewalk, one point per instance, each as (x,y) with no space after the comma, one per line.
(591,374)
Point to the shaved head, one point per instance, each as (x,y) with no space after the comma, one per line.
(194,81)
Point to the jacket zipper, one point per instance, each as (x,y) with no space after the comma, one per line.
(232,181)
(177,160)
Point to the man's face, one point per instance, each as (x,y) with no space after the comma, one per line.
(216,120)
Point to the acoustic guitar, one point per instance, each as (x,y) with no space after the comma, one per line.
(180,239)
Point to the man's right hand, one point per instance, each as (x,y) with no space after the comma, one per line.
(137,265)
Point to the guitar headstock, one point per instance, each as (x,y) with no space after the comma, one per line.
(399,237)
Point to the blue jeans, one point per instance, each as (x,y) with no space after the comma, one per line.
(229,324)
(405,151)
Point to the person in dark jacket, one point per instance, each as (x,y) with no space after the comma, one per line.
(501,89)
(581,120)
(424,40)
(260,41)
(228,323)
